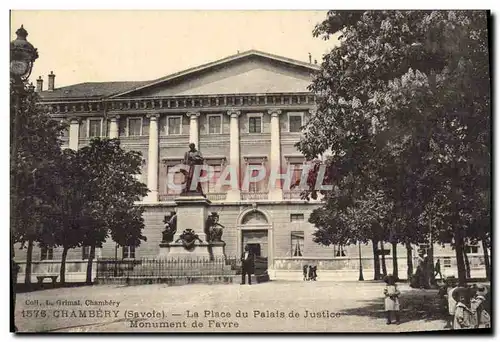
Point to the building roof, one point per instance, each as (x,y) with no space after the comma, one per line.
(114,89)
(90,90)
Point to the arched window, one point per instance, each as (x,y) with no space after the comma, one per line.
(254,217)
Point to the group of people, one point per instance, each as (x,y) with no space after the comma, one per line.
(310,272)
(468,307)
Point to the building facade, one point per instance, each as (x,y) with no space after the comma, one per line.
(245,111)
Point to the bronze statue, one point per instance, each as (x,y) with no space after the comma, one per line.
(170,225)
(192,158)
(213,229)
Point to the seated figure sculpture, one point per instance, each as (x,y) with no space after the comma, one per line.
(170,225)
(213,229)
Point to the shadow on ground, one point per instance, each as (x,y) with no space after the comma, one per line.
(415,305)
(22,288)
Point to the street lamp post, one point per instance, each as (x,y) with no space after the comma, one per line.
(361,278)
(22,57)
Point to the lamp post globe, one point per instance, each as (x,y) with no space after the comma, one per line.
(22,55)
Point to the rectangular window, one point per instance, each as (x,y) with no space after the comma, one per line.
(47,253)
(252,185)
(214,124)
(95,128)
(296,175)
(294,122)
(297,243)
(134,127)
(296,217)
(472,249)
(339,251)
(85,252)
(447,262)
(128,252)
(174,125)
(423,248)
(384,251)
(254,124)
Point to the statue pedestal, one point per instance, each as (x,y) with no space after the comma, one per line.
(217,249)
(192,213)
(173,250)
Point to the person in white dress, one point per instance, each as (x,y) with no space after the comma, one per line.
(391,301)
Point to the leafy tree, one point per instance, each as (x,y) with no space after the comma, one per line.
(396,109)
(35,151)
(111,190)
(68,223)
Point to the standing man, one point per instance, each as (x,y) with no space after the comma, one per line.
(437,269)
(192,158)
(247,265)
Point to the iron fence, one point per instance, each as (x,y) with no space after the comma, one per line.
(173,267)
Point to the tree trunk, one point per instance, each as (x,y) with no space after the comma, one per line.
(430,266)
(486,259)
(409,261)
(29,257)
(467,264)
(376,261)
(459,253)
(62,272)
(384,267)
(430,259)
(395,260)
(89,265)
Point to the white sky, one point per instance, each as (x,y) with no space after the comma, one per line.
(83,46)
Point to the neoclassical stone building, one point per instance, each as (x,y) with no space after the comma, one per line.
(243,110)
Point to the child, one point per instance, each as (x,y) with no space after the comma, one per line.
(391,293)
(462,319)
(451,285)
(481,317)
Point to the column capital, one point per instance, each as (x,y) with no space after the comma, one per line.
(233,113)
(274,112)
(114,117)
(153,116)
(74,120)
(193,115)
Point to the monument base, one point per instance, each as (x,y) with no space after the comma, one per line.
(177,251)
(201,251)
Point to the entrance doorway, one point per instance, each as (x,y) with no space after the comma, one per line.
(257,241)
(254,229)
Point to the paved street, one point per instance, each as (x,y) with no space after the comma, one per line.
(272,306)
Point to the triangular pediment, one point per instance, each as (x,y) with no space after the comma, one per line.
(247,73)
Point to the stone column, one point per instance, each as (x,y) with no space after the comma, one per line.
(193,128)
(153,159)
(113,127)
(276,192)
(74,132)
(234,195)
